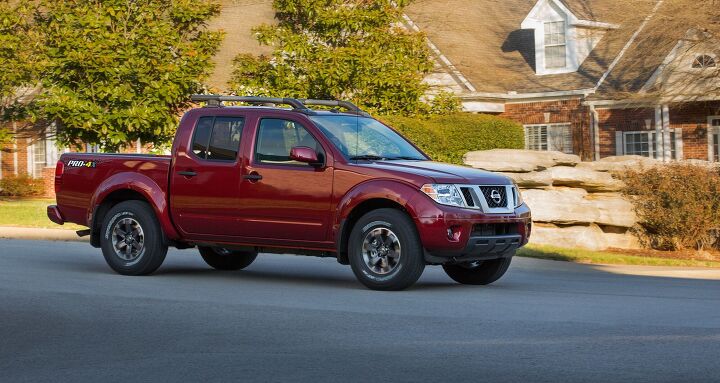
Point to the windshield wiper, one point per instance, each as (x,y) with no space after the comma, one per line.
(370,157)
(406,158)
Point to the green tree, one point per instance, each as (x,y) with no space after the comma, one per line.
(339,49)
(20,61)
(121,70)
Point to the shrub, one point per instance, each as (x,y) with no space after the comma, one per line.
(448,137)
(678,206)
(21,186)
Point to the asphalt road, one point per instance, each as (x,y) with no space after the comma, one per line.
(64,316)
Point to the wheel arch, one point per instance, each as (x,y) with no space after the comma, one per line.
(365,198)
(129,187)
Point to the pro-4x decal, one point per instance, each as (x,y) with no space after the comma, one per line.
(81,164)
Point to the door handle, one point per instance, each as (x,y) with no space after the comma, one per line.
(188,173)
(252,177)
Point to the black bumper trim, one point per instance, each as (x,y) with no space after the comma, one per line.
(480,248)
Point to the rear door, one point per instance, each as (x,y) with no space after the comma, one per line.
(205,178)
(282,199)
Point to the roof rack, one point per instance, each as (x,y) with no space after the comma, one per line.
(216,100)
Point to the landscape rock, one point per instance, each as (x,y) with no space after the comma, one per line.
(518,161)
(620,163)
(589,237)
(531,179)
(572,206)
(587,179)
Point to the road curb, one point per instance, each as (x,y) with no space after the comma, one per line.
(32,233)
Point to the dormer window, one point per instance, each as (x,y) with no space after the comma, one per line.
(704,61)
(555,49)
(562,40)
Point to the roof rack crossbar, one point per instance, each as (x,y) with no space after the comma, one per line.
(343,104)
(214,99)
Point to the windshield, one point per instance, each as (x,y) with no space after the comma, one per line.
(362,138)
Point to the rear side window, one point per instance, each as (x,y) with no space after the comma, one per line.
(217,138)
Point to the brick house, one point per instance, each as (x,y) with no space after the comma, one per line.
(573,72)
(579,75)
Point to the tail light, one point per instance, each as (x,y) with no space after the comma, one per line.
(59,170)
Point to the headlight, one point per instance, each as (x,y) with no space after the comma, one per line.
(518,196)
(444,194)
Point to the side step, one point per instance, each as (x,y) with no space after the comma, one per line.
(83,233)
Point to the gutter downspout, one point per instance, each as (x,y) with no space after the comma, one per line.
(595,133)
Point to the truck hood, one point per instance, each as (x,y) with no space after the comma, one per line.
(443,173)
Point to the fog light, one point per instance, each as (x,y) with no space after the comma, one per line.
(453,233)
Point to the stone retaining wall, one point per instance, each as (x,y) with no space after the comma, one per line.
(573,203)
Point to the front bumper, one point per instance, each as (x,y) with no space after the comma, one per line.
(451,234)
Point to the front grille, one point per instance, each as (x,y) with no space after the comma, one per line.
(493,229)
(496,196)
(467,194)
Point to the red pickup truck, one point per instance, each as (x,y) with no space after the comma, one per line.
(244,180)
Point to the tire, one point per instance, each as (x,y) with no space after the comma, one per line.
(223,259)
(397,261)
(482,273)
(145,251)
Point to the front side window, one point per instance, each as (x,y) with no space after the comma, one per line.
(555,52)
(556,137)
(363,138)
(276,137)
(217,138)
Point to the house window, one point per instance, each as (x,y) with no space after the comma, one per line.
(714,138)
(549,137)
(703,61)
(645,143)
(555,52)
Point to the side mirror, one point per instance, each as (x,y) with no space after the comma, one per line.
(304,154)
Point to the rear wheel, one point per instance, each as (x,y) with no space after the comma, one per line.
(224,259)
(479,272)
(385,251)
(131,240)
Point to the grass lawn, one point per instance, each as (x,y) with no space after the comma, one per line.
(29,213)
(610,257)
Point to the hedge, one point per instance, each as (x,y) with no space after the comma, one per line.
(447,138)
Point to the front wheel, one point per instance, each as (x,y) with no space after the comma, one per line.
(479,272)
(131,240)
(223,259)
(385,250)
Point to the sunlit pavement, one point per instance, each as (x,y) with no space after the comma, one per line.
(64,316)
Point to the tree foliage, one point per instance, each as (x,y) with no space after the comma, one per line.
(339,49)
(119,70)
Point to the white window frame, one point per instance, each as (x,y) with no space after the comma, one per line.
(712,132)
(567,137)
(697,56)
(654,144)
(547,44)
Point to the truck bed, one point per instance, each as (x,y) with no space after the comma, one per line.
(87,175)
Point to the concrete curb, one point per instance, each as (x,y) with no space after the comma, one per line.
(11,232)
(662,271)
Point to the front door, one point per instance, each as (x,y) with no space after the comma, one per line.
(206,177)
(283,199)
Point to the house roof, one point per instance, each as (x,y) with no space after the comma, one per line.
(484,41)
(237,18)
